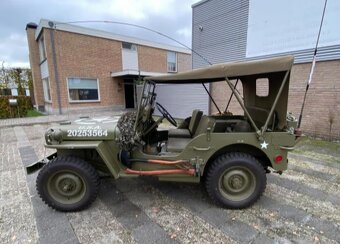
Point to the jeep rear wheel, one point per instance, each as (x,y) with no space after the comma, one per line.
(235,180)
(68,184)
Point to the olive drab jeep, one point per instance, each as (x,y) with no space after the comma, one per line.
(230,154)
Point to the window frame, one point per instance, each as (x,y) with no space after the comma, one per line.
(176,62)
(42,49)
(49,88)
(82,101)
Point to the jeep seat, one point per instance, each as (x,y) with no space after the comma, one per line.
(188,133)
(176,144)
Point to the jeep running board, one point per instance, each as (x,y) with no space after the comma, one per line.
(161,172)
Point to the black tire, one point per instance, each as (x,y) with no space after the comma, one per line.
(235,180)
(68,184)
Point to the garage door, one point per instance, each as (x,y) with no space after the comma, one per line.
(181,100)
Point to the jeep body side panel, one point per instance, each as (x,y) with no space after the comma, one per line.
(270,146)
(201,148)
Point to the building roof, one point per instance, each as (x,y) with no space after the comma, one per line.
(219,72)
(44,23)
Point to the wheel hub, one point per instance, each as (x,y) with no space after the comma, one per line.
(237,183)
(68,184)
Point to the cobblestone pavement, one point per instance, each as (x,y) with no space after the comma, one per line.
(301,206)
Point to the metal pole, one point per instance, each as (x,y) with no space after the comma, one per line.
(239,99)
(231,96)
(313,66)
(264,128)
(211,98)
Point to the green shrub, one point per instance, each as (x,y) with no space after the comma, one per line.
(7,111)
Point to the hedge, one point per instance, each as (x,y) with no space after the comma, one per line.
(7,111)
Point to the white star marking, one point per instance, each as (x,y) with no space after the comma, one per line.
(93,121)
(264,145)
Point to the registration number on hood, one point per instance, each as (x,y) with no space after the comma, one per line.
(87,131)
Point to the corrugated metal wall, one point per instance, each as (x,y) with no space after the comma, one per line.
(219,34)
(224,34)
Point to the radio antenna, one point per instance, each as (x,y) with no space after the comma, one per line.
(313,65)
(140,27)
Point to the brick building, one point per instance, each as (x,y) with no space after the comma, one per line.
(76,68)
(227,31)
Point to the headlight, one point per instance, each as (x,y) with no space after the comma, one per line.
(53,136)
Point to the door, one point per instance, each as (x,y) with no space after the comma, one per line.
(129,94)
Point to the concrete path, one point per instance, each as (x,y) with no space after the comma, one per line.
(55,118)
(301,206)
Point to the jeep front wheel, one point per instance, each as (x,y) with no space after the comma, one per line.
(235,180)
(68,184)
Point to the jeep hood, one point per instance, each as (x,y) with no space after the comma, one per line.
(87,129)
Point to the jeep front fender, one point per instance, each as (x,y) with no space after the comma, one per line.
(107,150)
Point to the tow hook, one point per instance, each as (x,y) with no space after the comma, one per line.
(278,172)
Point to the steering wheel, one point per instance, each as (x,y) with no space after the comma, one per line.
(166,114)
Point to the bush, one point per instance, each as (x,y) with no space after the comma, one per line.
(7,111)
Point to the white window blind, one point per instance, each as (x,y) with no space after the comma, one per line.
(172,61)
(46,87)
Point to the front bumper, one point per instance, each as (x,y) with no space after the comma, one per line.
(32,168)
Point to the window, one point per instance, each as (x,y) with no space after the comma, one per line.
(5,91)
(42,51)
(46,87)
(129,46)
(83,89)
(262,87)
(14,91)
(172,61)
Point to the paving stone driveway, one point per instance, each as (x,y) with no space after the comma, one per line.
(302,206)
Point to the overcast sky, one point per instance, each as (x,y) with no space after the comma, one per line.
(171,17)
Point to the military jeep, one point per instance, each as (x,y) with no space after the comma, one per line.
(230,154)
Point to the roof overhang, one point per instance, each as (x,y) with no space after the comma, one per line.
(130,72)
